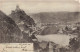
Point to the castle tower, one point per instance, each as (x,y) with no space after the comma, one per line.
(17,8)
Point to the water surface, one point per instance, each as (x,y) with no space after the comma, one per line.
(60,39)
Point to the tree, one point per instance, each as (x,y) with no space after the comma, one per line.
(74,44)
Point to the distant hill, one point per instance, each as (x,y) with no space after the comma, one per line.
(54,17)
(9,31)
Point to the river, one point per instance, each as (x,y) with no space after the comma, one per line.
(60,39)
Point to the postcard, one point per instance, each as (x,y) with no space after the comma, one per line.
(39,25)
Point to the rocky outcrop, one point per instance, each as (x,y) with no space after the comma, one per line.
(24,22)
(9,31)
(22,19)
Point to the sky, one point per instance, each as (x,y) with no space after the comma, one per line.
(36,6)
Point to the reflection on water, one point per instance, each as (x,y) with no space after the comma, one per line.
(60,39)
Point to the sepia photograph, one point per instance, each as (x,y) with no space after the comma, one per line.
(39,25)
